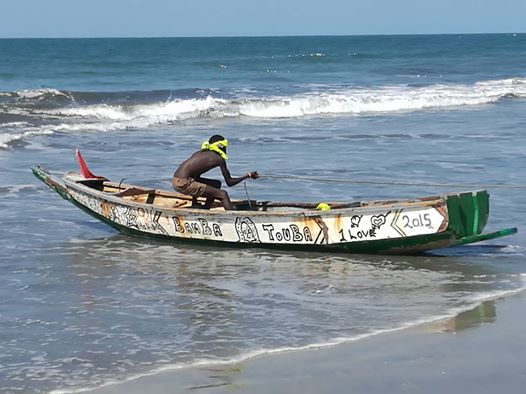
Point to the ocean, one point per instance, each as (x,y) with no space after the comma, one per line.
(82,306)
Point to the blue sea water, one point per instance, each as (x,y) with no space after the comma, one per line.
(81,306)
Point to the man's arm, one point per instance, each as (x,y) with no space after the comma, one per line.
(234,181)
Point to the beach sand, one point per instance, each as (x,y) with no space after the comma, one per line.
(479,351)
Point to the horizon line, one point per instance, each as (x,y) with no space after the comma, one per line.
(261,36)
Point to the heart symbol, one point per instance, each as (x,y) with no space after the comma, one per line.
(355,221)
(378,221)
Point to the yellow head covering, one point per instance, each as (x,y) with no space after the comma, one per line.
(217,147)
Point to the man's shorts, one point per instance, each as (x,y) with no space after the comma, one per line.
(188,186)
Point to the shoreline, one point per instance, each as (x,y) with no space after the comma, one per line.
(479,350)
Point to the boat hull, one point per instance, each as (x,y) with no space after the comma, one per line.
(394,227)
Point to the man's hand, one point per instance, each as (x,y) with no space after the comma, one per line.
(253,175)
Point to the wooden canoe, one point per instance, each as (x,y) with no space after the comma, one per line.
(381,227)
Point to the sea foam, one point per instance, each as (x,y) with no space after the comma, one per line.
(317,100)
(350,101)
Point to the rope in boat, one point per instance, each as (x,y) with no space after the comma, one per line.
(393,183)
(246,192)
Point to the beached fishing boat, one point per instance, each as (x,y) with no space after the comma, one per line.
(389,227)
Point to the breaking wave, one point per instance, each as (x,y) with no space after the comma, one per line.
(44,111)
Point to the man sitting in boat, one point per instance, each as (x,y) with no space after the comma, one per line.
(187,178)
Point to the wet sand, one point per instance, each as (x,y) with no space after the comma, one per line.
(479,351)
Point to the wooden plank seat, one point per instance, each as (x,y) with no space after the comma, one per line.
(133,191)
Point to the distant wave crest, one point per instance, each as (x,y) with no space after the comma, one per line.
(353,101)
(196,103)
(55,110)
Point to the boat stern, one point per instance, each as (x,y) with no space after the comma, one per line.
(467,212)
(468,215)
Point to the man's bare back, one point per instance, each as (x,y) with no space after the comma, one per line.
(199,163)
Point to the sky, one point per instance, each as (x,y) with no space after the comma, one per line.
(209,18)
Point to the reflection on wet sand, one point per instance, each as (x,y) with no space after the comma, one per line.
(486,312)
(224,376)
